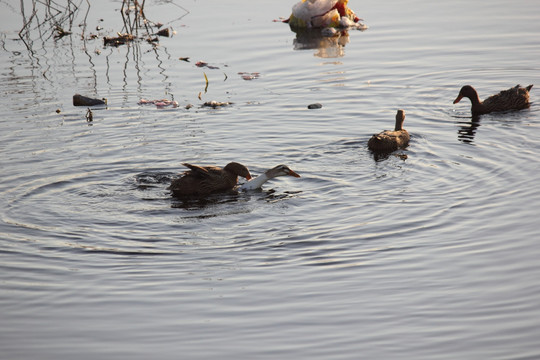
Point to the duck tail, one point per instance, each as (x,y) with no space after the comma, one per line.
(529,87)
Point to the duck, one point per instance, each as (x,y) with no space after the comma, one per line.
(257,182)
(388,141)
(321,14)
(200,181)
(515,98)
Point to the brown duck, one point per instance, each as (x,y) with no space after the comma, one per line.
(515,98)
(204,180)
(388,141)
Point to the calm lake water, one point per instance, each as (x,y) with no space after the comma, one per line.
(430,253)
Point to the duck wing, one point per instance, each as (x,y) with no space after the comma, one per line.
(388,141)
(202,171)
(515,98)
(200,181)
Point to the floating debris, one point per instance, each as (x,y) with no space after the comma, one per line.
(215,104)
(322,14)
(89,115)
(60,33)
(314,106)
(249,76)
(79,100)
(121,39)
(205,64)
(164,32)
(159,103)
(186,59)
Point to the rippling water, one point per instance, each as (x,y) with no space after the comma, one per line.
(429,253)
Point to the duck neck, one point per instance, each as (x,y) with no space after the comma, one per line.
(255,183)
(475,100)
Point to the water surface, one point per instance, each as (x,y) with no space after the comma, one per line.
(429,253)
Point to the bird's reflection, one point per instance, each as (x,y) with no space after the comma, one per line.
(467,129)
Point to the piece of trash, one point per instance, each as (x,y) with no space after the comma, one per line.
(119,40)
(89,115)
(161,103)
(205,64)
(314,106)
(186,59)
(329,32)
(206,79)
(79,100)
(249,76)
(216,104)
(164,32)
(60,33)
(58,111)
(321,14)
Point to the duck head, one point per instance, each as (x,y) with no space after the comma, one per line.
(469,92)
(238,170)
(280,170)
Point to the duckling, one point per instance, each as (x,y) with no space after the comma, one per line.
(515,98)
(204,180)
(388,141)
(256,183)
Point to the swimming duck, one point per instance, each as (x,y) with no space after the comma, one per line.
(204,180)
(256,183)
(322,13)
(388,141)
(515,98)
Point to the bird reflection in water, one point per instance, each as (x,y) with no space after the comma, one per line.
(467,130)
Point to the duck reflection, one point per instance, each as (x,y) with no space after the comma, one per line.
(219,201)
(467,130)
(329,43)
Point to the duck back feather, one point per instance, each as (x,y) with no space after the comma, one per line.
(388,141)
(203,180)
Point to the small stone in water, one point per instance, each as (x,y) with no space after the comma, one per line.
(314,106)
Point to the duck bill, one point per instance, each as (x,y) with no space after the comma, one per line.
(248,177)
(458,99)
(292,173)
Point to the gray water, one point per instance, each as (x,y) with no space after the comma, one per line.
(429,253)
